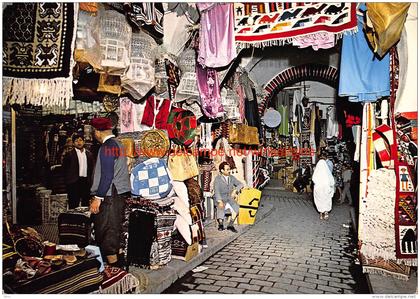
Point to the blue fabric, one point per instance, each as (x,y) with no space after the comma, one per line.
(363,77)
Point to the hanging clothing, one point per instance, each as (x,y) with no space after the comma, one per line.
(284,125)
(158,109)
(324,187)
(332,124)
(217,41)
(363,77)
(209,90)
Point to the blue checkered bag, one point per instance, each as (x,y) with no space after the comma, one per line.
(151,179)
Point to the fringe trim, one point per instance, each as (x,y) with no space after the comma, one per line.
(128,283)
(408,262)
(284,41)
(384,272)
(38,92)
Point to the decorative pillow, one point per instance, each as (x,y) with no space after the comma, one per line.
(150,179)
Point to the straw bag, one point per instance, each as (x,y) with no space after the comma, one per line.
(243,134)
(182,166)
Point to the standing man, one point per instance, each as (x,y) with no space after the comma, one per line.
(111,187)
(225,187)
(78,167)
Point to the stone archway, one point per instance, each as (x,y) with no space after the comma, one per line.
(314,72)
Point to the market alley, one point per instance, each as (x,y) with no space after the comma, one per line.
(291,251)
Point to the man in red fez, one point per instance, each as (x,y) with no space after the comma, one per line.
(110,188)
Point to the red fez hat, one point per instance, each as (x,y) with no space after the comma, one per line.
(101,123)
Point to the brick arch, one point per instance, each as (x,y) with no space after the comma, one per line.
(314,72)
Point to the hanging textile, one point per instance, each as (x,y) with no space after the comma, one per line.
(332,124)
(188,84)
(209,90)
(147,16)
(140,76)
(156,112)
(363,77)
(271,24)
(384,24)
(175,24)
(217,44)
(38,57)
(406,101)
(126,115)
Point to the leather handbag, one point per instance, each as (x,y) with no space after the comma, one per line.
(182,166)
(154,143)
(385,22)
(243,134)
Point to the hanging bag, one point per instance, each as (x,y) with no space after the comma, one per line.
(182,165)
(181,126)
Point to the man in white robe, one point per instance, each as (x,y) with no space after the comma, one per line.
(324,187)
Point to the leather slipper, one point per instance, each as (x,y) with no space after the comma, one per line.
(69,259)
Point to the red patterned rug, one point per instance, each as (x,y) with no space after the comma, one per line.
(118,281)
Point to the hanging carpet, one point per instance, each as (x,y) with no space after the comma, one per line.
(271,24)
(38,48)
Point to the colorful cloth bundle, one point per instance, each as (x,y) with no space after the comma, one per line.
(38,48)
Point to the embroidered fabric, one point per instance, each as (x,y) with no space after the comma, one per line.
(188,85)
(208,86)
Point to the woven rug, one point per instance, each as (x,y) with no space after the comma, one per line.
(272,24)
(38,44)
(118,281)
(386,268)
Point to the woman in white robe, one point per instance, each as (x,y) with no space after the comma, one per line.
(324,187)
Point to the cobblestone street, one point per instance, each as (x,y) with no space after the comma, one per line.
(292,251)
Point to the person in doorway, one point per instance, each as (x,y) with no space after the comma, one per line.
(346,175)
(226,187)
(302,179)
(111,187)
(324,187)
(78,168)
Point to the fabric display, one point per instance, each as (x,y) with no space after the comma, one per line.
(182,165)
(209,90)
(164,223)
(161,77)
(173,74)
(118,281)
(377,237)
(217,41)
(156,112)
(275,24)
(115,36)
(194,106)
(385,22)
(175,21)
(140,76)
(406,97)
(147,16)
(188,84)
(151,179)
(383,140)
(230,100)
(363,77)
(74,227)
(332,124)
(37,60)
(181,126)
(80,278)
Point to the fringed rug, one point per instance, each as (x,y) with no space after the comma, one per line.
(386,268)
(276,23)
(118,281)
(38,44)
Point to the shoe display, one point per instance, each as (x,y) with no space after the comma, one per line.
(232,229)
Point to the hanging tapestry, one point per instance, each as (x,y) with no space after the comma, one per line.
(270,24)
(38,44)
(148,16)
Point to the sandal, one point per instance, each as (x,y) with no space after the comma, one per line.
(326,215)
(24,267)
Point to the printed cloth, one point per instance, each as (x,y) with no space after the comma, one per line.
(38,45)
(151,179)
(269,24)
(363,77)
(217,43)
(209,90)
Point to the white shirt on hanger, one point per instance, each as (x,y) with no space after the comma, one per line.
(81,156)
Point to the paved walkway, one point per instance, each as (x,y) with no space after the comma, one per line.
(289,252)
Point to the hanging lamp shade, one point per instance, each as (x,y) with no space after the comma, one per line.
(272,118)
